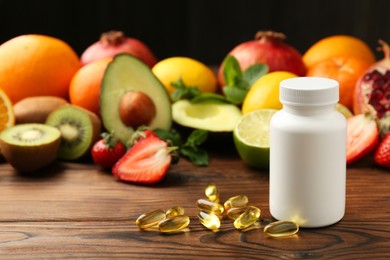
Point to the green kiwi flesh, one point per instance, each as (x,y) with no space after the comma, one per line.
(79,128)
(29,147)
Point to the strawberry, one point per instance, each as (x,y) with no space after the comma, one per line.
(107,151)
(382,153)
(141,134)
(362,137)
(146,162)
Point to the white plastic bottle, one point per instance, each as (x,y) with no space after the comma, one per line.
(308,153)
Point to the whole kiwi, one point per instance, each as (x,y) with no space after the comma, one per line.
(36,109)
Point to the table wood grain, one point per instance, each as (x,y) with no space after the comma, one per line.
(74,210)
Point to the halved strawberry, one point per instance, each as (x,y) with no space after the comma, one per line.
(362,137)
(382,153)
(147,161)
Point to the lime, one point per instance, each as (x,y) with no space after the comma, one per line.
(251,137)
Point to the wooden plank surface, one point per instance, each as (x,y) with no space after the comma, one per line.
(77,211)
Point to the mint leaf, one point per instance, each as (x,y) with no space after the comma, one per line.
(197,156)
(183,91)
(209,98)
(254,72)
(235,95)
(191,148)
(231,70)
(239,82)
(171,136)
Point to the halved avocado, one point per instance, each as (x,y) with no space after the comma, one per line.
(127,74)
(214,117)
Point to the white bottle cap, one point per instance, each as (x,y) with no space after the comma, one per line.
(309,91)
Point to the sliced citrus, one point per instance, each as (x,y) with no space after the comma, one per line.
(251,137)
(7,116)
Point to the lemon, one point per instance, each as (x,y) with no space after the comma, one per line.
(343,110)
(251,137)
(264,93)
(193,73)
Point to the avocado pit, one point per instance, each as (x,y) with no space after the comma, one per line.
(136,109)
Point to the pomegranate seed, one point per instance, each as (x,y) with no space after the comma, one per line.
(387,75)
(378,94)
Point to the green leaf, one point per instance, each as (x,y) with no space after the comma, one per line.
(235,95)
(183,91)
(197,137)
(231,70)
(254,72)
(210,98)
(191,148)
(171,136)
(196,155)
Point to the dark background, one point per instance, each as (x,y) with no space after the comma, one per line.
(203,29)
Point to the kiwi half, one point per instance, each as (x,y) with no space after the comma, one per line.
(29,147)
(79,128)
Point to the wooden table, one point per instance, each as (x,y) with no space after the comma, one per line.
(77,211)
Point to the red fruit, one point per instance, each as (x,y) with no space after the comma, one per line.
(141,134)
(362,137)
(107,151)
(268,48)
(146,162)
(115,42)
(372,91)
(382,153)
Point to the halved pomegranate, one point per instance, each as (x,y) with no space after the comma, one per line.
(372,91)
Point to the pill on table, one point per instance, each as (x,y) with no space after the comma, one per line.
(174,211)
(236,202)
(174,224)
(248,218)
(150,219)
(209,220)
(281,228)
(211,206)
(212,192)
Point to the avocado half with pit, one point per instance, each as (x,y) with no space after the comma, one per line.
(213,117)
(131,96)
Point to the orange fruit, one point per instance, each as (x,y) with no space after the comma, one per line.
(346,70)
(84,89)
(338,45)
(7,116)
(36,65)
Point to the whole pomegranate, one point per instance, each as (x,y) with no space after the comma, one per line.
(372,91)
(268,48)
(114,42)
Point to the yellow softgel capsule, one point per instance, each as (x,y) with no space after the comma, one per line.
(173,224)
(150,219)
(234,213)
(174,211)
(211,206)
(248,218)
(281,228)
(209,220)
(212,192)
(236,202)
